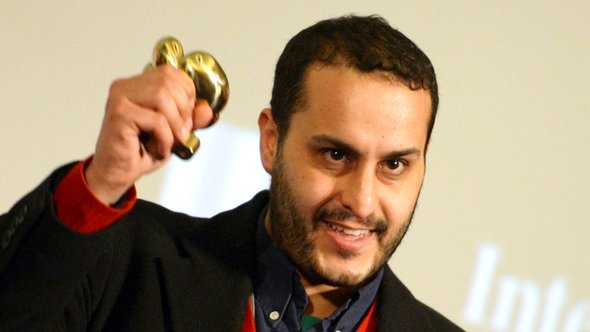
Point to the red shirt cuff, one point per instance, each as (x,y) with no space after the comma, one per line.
(80,210)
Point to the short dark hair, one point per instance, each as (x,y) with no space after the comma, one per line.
(367,43)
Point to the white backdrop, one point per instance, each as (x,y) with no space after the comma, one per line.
(500,237)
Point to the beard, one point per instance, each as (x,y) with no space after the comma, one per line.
(294,235)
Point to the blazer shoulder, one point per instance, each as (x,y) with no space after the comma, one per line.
(228,236)
(217,228)
(16,223)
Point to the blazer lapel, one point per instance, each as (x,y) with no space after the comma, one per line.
(202,295)
(398,309)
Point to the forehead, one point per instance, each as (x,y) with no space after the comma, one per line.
(340,100)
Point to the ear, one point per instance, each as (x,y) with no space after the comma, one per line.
(268,139)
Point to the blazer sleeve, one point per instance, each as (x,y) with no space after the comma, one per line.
(50,276)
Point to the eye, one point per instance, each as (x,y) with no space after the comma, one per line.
(335,154)
(335,160)
(394,166)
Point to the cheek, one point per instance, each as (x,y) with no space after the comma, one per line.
(313,197)
(313,188)
(399,203)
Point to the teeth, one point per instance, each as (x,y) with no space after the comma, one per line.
(356,232)
(348,231)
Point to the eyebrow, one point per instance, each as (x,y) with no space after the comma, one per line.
(349,149)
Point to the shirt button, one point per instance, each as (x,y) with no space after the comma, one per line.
(274,315)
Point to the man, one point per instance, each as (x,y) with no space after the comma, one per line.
(345,140)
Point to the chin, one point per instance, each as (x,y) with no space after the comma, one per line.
(343,272)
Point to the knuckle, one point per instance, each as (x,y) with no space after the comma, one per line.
(115,107)
(116,86)
(166,72)
(161,121)
(167,69)
(116,97)
(169,82)
(160,96)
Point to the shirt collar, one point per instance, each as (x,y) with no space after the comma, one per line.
(275,275)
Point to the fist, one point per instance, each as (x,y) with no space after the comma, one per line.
(144,116)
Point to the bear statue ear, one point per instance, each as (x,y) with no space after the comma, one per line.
(268,139)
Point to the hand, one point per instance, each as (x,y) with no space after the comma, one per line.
(144,115)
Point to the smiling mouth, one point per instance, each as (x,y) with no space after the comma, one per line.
(348,231)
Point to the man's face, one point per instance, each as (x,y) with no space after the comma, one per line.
(347,176)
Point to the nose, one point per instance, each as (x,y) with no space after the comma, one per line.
(358,191)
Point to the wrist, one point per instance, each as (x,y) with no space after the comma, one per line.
(78,208)
(108,194)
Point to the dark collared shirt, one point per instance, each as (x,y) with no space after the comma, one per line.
(280,299)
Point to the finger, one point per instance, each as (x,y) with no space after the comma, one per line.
(185,97)
(202,114)
(167,91)
(153,130)
(174,96)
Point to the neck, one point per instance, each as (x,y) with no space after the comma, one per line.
(323,299)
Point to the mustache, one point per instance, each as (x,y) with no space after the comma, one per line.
(377,224)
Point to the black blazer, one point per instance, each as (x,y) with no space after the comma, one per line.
(153,270)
